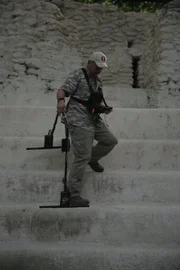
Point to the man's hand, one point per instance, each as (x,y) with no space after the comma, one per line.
(109,110)
(61,106)
(105,109)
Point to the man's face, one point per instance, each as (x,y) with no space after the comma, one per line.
(94,69)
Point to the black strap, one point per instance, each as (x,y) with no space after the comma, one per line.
(90,86)
(87,79)
(84,102)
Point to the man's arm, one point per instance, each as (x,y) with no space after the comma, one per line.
(67,89)
(60,94)
(60,101)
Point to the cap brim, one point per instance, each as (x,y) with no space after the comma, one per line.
(101,65)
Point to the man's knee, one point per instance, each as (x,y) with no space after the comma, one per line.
(82,158)
(112,140)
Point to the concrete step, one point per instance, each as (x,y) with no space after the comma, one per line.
(128,154)
(108,224)
(125,123)
(77,256)
(111,187)
(34,93)
(126,97)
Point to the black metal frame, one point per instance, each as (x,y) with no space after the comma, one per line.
(65,147)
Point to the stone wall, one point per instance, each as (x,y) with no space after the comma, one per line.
(151,54)
(42,41)
(37,48)
(110,30)
(161,58)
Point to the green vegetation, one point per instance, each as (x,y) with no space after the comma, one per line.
(132,5)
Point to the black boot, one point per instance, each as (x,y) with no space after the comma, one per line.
(77,201)
(95,166)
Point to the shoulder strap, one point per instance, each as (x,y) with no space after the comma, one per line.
(87,79)
(90,86)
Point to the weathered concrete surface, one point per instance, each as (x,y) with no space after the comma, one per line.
(119,96)
(128,154)
(161,57)
(106,28)
(41,42)
(125,123)
(52,39)
(77,256)
(110,224)
(112,187)
(37,44)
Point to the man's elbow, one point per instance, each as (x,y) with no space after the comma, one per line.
(60,93)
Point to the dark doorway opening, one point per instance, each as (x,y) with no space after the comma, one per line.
(130,43)
(135,67)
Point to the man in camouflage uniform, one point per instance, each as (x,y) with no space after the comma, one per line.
(83,127)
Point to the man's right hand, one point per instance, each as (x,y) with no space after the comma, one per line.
(61,106)
(105,109)
(108,110)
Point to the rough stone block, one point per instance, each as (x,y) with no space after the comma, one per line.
(110,187)
(77,256)
(128,154)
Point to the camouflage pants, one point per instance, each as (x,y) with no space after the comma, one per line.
(84,151)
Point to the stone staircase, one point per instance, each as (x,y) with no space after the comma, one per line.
(133,222)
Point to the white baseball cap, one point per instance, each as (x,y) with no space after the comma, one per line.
(99,58)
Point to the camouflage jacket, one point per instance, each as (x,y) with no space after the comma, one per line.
(76,85)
